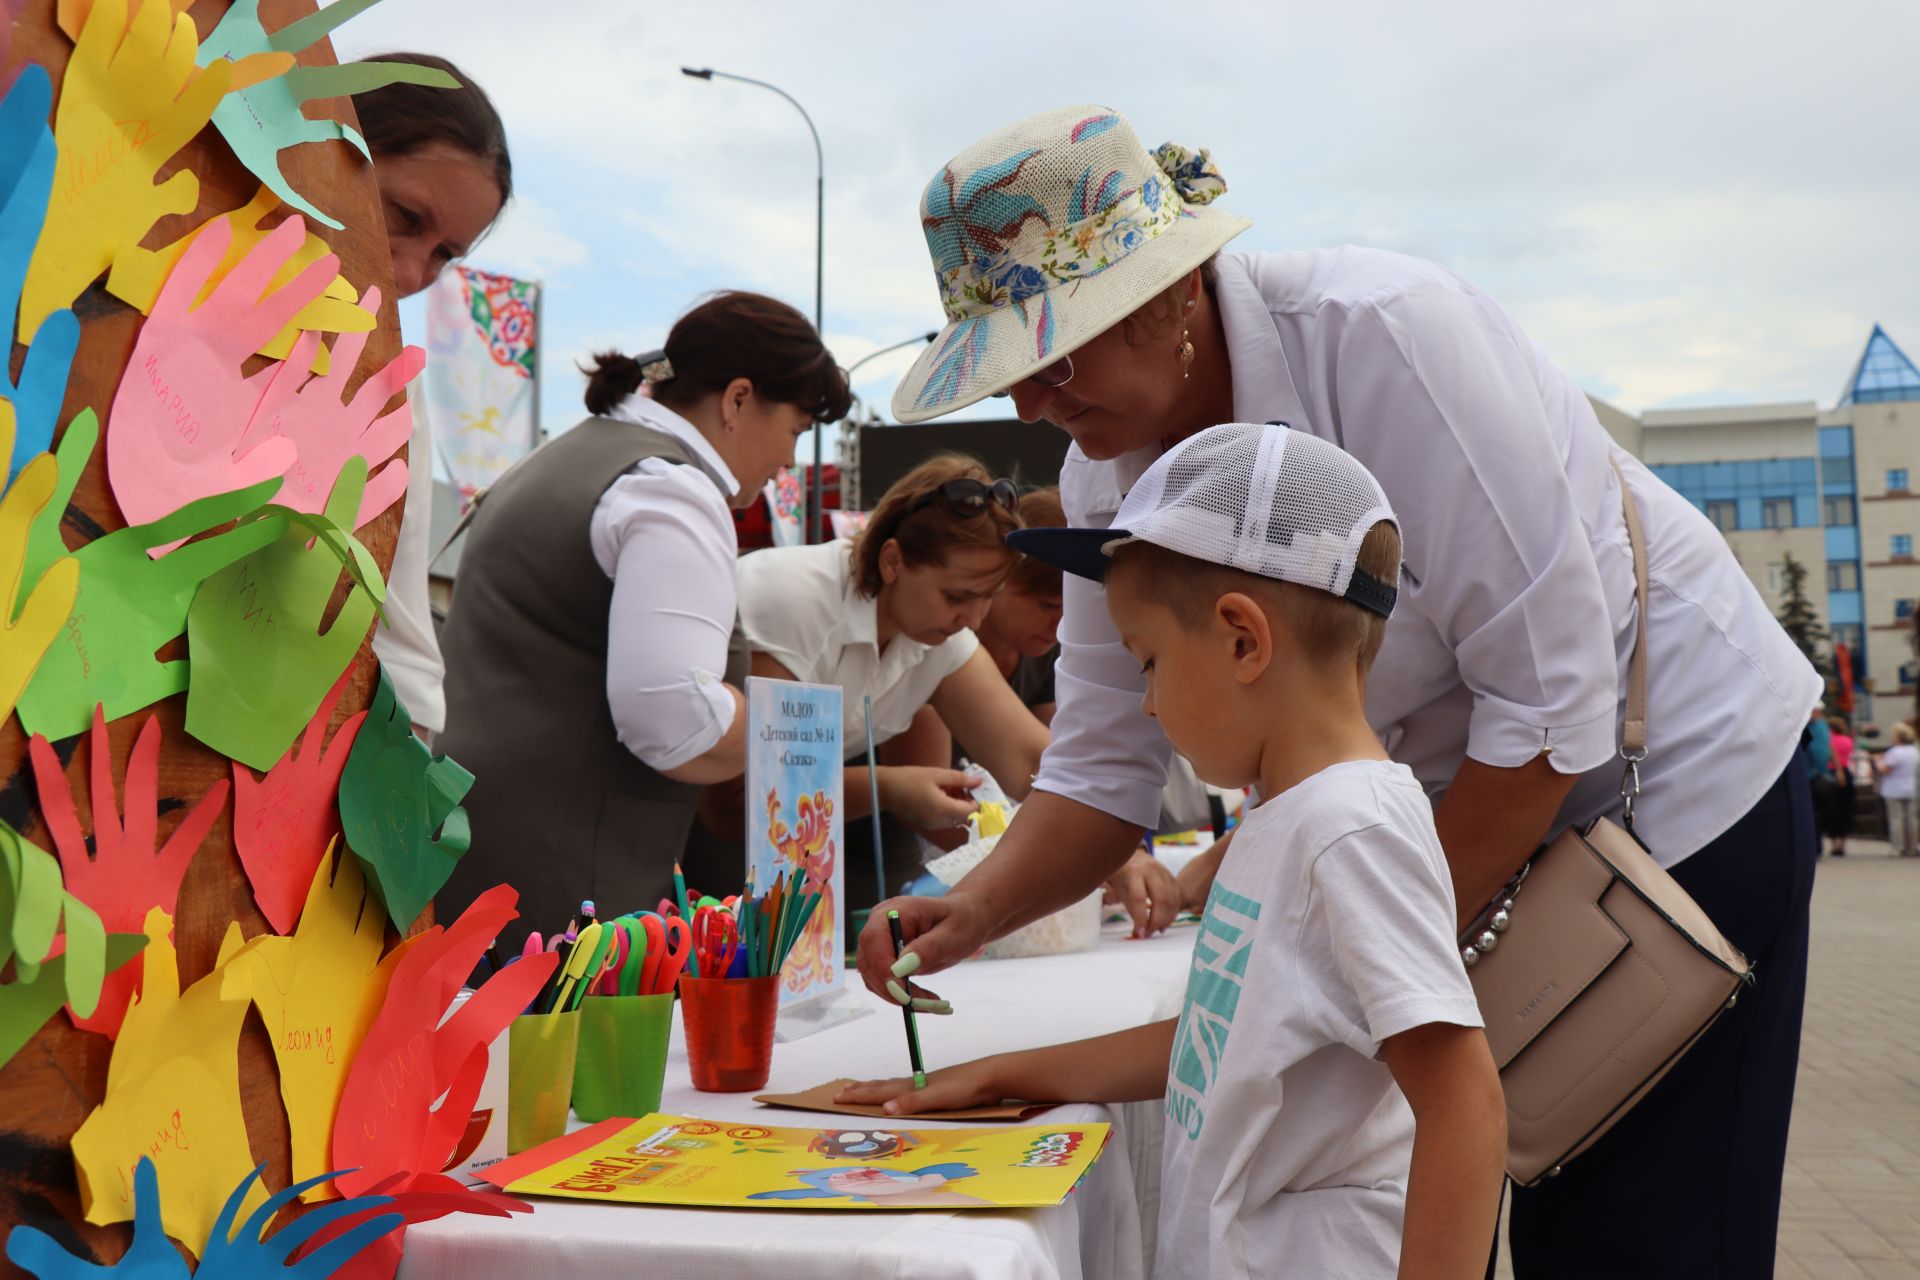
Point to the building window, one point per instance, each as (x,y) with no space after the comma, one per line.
(1839,511)
(1908,672)
(1903,546)
(1902,610)
(1776,513)
(1896,479)
(1725,515)
(1776,577)
(1843,575)
(1848,634)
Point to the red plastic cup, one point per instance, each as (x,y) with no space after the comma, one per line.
(729,1025)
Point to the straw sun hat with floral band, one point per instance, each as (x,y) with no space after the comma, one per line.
(1044,236)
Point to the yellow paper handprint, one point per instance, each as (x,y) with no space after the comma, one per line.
(318,991)
(173,1093)
(138,275)
(131,99)
(33,610)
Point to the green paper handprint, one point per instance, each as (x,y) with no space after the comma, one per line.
(261,662)
(400,809)
(129,604)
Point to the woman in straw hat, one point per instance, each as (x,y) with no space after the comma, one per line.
(1083,276)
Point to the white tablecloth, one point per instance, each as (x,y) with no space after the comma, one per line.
(1103,1232)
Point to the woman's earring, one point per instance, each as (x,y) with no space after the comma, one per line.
(1185,353)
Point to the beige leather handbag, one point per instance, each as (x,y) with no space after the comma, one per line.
(1594,970)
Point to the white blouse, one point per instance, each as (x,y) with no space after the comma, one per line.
(1516,611)
(799,606)
(664,534)
(406,644)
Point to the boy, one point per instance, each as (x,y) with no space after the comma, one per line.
(1332,1107)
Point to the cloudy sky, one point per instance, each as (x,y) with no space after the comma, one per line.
(1687,201)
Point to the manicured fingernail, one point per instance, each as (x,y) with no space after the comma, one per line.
(931,1006)
(898,992)
(907,965)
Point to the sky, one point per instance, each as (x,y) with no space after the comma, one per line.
(1686,202)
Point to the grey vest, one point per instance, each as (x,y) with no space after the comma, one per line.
(560,809)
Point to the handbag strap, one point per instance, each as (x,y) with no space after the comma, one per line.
(1633,726)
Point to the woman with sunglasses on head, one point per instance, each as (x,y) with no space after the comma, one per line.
(891,615)
(594,658)
(1084,276)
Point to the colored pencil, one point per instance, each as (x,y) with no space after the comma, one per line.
(913,1030)
(680,896)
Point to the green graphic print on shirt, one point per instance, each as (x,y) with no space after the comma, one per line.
(1213,994)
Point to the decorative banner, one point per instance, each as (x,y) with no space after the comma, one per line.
(846,524)
(794,771)
(483,374)
(787,508)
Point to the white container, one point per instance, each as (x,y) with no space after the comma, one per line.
(1074,928)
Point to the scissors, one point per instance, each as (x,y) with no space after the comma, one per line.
(608,981)
(718,937)
(668,944)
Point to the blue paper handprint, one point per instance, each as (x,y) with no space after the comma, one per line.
(27,157)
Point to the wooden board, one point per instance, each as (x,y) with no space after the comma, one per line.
(50,1085)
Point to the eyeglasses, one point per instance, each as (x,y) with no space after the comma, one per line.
(1050,376)
(969,497)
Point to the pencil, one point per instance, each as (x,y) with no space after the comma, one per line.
(913,1030)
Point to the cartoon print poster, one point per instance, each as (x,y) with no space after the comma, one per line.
(679,1160)
(794,767)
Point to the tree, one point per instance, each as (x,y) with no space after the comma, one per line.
(1798,617)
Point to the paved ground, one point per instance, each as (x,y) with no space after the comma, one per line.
(1852,1202)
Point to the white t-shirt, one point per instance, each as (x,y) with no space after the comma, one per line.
(1329,930)
(1896,771)
(1516,615)
(799,606)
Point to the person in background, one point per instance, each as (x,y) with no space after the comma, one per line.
(1836,818)
(440,160)
(1896,767)
(594,661)
(890,615)
(1021,632)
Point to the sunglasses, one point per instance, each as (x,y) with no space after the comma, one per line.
(969,497)
(1050,376)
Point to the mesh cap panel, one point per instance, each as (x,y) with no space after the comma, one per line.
(1265,500)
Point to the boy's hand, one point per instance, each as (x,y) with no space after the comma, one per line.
(972,1084)
(1148,891)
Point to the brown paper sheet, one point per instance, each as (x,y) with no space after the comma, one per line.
(820,1098)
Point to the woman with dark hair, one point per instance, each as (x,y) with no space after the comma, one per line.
(891,615)
(594,658)
(440,161)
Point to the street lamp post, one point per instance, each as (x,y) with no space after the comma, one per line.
(850,429)
(819,258)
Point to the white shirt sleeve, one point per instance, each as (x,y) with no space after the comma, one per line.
(407,645)
(1440,401)
(1106,752)
(664,535)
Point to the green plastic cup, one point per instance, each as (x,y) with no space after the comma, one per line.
(623,1055)
(541,1050)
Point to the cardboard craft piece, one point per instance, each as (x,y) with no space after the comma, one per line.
(351,1226)
(173,1092)
(327,429)
(284,823)
(139,274)
(317,993)
(104,198)
(184,402)
(387,1121)
(820,1098)
(264,119)
(129,873)
(27,153)
(261,663)
(400,807)
(128,605)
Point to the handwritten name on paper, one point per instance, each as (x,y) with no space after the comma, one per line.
(87,170)
(186,424)
(243,595)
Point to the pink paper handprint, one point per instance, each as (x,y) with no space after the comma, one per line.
(129,872)
(183,404)
(327,429)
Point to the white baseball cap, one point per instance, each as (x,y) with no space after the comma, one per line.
(1261,499)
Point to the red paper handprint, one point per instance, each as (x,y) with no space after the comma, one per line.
(183,404)
(129,873)
(283,822)
(327,430)
(387,1131)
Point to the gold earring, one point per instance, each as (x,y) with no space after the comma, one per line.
(1185,353)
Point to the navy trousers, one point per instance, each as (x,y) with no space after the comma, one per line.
(1688,1185)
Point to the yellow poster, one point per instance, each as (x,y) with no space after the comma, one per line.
(677,1160)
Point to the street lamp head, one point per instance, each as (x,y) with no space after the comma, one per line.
(698,73)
